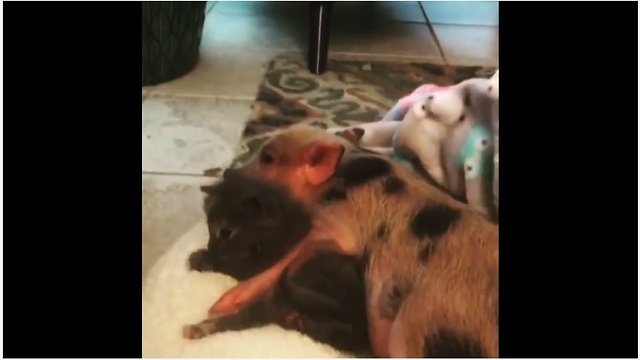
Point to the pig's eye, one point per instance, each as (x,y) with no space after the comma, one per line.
(266,158)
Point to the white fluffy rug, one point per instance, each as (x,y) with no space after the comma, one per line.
(173,297)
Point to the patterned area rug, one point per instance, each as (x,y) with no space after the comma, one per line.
(352,92)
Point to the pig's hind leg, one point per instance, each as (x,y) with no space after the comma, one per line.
(385,296)
(426,327)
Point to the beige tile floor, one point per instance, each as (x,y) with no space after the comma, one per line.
(194,123)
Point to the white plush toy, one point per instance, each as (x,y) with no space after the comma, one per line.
(432,112)
(429,121)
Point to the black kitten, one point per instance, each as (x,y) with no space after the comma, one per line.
(252,224)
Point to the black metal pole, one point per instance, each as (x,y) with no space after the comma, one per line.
(319,17)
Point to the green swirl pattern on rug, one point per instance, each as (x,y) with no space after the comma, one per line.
(351,92)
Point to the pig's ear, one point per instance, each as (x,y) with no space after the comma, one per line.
(321,160)
(358,133)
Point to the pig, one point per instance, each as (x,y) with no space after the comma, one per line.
(431,262)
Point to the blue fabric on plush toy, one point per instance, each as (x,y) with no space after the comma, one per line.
(396,113)
(472,154)
(475,153)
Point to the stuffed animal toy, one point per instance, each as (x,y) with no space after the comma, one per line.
(468,150)
(428,122)
(449,130)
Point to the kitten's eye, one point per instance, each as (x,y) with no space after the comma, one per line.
(266,158)
(256,249)
(424,107)
(225,233)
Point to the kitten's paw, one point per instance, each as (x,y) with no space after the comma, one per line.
(193,332)
(292,321)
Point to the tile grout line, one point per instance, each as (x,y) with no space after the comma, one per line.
(213,4)
(464,25)
(186,95)
(432,31)
(382,56)
(168,173)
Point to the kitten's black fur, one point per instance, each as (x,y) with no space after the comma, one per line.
(329,295)
(252,224)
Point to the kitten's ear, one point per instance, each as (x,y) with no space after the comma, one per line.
(209,198)
(229,174)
